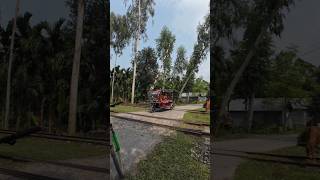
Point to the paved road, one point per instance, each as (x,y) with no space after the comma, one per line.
(176,113)
(224,167)
(137,140)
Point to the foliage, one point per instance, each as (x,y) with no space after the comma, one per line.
(125,109)
(42,70)
(165,45)
(181,62)
(258,71)
(200,86)
(119,31)
(146,10)
(122,85)
(147,71)
(290,76)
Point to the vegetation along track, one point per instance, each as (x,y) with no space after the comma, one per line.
(268,157)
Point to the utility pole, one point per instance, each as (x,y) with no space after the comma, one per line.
(6,120)
(113,77)
(135,56)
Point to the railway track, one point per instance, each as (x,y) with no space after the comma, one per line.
(24,175)
(13,136)
(268,157)
(184,130)
(164,118)
(96,141)
(185,110)
(57,163)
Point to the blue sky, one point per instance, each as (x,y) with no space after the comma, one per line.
(181,17)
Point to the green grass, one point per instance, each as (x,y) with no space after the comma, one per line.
(171,159)
(195,117)
(125,109)
(42,149)
(267,171)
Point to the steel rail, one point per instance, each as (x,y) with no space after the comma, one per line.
(25,175)
(184,130)
(103,142)
(268,157)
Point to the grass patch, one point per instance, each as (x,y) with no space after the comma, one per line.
(171,159)
(194,117)
(42,149)
(125,109)
(266,171)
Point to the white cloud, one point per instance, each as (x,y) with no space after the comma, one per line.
(189,13)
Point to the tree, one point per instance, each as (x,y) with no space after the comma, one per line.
(290,78)
(165,45)
(72,123)
(227,18)
(200,51)
(257,72)
(179,68)
(181,63)
(315,98)
(268,16)
(6,120)
(147,71)
(138,14)
(200,86)
(120,37)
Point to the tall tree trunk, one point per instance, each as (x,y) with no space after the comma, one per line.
(42,112)
(184,85)
(72,123)
(113,77)
(6,120)
(136,54)
(244,65)
(287,121)
(189,76)
(250,112)
(51,118)
(18,123)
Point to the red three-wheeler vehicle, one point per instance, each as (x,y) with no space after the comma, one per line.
(161,99)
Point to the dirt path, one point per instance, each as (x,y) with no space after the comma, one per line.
(224,167)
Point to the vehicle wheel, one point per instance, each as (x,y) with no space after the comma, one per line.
(152,109)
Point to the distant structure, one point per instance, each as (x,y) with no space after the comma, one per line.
(193,97)
(269,111)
